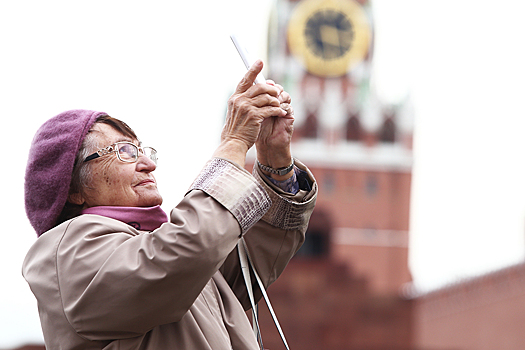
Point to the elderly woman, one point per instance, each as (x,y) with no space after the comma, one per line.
(111,270)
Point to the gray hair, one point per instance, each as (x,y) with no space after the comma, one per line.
(81,177)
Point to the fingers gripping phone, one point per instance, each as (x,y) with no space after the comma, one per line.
(246,58)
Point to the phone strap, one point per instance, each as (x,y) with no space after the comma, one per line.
(246,263)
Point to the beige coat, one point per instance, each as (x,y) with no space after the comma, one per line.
(101,284)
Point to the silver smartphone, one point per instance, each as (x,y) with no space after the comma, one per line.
(246,58)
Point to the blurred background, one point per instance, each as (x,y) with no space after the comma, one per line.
(410,114)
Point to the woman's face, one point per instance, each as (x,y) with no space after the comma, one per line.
(116,183)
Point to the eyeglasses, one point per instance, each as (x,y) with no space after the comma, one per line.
(126,151)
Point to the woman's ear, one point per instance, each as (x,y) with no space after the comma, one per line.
(76,198)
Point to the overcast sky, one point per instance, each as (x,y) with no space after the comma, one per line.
(167,69)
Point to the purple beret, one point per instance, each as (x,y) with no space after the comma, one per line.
(50,165)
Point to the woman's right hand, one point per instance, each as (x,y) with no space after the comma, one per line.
(248,107)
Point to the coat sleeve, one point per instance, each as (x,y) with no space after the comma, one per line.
(121,284)
(275,239)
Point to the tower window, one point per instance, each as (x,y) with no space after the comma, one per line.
(371,185)
(353,128)
(388,131)
(317,239)
(328,183)
(309,128)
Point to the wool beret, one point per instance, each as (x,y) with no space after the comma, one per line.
(50,165)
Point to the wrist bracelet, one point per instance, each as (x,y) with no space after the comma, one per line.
(280,171)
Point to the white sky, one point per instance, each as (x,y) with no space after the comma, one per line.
(167,70)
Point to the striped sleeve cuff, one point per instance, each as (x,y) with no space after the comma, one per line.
(235,189)
(289,212)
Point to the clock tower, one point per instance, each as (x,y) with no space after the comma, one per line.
(359,147)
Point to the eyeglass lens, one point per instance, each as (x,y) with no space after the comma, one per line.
(150,153)
(128,152)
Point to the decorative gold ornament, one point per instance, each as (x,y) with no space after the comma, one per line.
(329,37)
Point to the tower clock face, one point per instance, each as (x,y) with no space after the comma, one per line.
(328,34)
(329,37)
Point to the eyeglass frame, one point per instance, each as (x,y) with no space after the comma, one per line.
(113,149)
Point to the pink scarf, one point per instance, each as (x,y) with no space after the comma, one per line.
(141,218)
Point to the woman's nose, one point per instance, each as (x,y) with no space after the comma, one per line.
(144,163)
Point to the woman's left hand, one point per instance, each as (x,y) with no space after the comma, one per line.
(273,142)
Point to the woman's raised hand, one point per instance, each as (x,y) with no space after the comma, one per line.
(273,143)
(248,107)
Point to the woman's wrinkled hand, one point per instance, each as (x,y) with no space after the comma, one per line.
(273,143)
(248,108)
